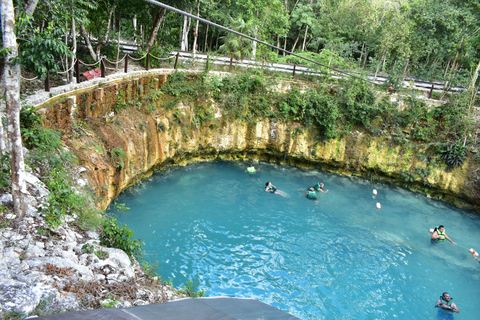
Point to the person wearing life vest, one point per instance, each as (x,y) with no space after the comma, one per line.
(251,169)
(445,302)
(310,193)
(319,187)
(269,187)
(439,234)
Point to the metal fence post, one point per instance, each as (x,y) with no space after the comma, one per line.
(126,63)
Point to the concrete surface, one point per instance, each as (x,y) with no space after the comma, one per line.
(218,308)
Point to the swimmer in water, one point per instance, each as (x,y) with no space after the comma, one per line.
(251,169)
(319,187)
(310,193)
(439,235)
(269,187)
(448,304)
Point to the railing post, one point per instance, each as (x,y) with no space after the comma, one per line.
(207,64)
(430,93)
(47,82)
(102,67)
(126,63)
(148,60)
(231,63)
(77,70)
(294,67)
(176,61)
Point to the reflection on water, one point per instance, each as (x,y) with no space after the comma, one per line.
(338,258)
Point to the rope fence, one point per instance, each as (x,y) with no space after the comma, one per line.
(190,61)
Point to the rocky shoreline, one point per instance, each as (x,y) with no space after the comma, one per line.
(45,271)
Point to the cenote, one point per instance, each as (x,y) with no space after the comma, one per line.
(336,258)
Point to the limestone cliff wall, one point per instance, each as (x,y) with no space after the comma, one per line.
(119,144)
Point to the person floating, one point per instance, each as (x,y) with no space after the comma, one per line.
(269,187)
(311,194)
(474,254)
(251,169)
(439,234)
(319,187)
(445,302)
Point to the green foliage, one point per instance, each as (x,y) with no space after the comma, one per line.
(13,315)
(235,46)
(88,248)
(324,114)
(454,154)
(191,289)
(101,254)
(357,102)
(61,200)
(118,155)
(41,50)
(118,237)
(5,174)
(109,304)
(121,103)
(49,155)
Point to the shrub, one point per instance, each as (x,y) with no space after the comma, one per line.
(118,156)
(118,237)
(454,154)
(5,174)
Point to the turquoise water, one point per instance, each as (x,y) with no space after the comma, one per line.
(335,258)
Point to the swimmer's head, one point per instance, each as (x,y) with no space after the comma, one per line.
(268,183)
(311,189)
(441,228)
(446,296)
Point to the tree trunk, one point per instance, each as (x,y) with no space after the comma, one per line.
(185,30)
(206,35)
(3,138)
(30,7)
(118,42)
(74,49)
(156,26)
(378,66)
(304,39)
(11,80)
(298,37)
(104,40)
(405,70)
(195,36)
(86,37)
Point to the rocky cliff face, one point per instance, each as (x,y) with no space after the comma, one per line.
(123,132)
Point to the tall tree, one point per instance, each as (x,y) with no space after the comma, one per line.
(11,80)
(238,47)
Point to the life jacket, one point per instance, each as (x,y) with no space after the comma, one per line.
(449,303)
(441,235)
(311,194)
(317,186)
(251,170)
